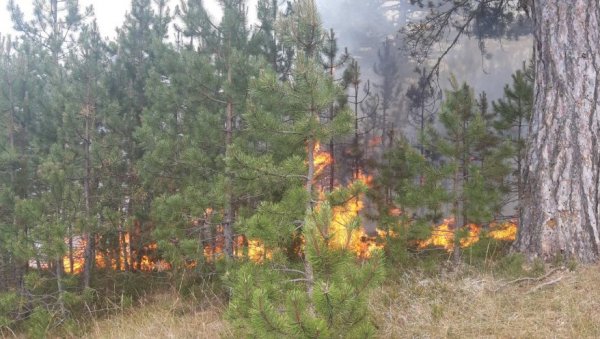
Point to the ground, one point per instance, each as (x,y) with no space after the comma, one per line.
(558,304)
(165,315)
(464,303)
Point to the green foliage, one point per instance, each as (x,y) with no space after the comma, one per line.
(99,139)
(513,114)
(272,299)
(38,323)
(476,155)
(9,303)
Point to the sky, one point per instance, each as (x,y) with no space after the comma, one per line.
(361,26)
(109,13)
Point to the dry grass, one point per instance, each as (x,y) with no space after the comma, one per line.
(165,316)
(473,305)
(464,304)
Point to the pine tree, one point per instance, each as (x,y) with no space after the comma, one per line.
(234,44)
(86,105)
(478,163)
(388,88)
(422,105)
(269,300)
(13,168)
(331,62)
(182,163)
(52,201)
(353,80)
(139,46)
(514,112)
(325,292)
(264,40)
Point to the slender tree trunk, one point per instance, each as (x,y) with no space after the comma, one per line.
(71,258)
(228,224)
(310,155)
(331,117)
(123,247)
(519,163)
(422,121)
(459,215)
(560,214)
(59,284)
(90,261)
(356,147)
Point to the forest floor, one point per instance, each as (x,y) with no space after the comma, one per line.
(557,303)
(165,315)
(464,303)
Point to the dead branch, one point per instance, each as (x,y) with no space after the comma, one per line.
(522,279)
(540,286)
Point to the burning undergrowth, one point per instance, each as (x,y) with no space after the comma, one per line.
(126,251)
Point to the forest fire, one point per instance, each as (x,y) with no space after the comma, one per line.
(125,259)
(322,159)
(442,235)
(354,239)
(257,252)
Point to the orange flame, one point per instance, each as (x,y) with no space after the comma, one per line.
(146,262)
(322,159)
(506,231)
(355,240)
(257,251)
(443,234)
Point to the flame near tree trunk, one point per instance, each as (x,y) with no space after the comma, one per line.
(443,235)
(355,240)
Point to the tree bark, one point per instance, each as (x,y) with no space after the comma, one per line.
(560,214)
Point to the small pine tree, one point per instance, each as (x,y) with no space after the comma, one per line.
(477,158)
(513,113)
(308,288)
(270,300)
(422,106)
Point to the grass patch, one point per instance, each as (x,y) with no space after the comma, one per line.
(471,304)
(165,315)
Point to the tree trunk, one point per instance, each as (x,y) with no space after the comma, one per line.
(310,155)
(331,117)
(357,154)
(89,257)
(59,285)
(560,214)
(228,224)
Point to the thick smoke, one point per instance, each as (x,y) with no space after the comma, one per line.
(363,25)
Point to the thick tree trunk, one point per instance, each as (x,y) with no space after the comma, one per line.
(560,214)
